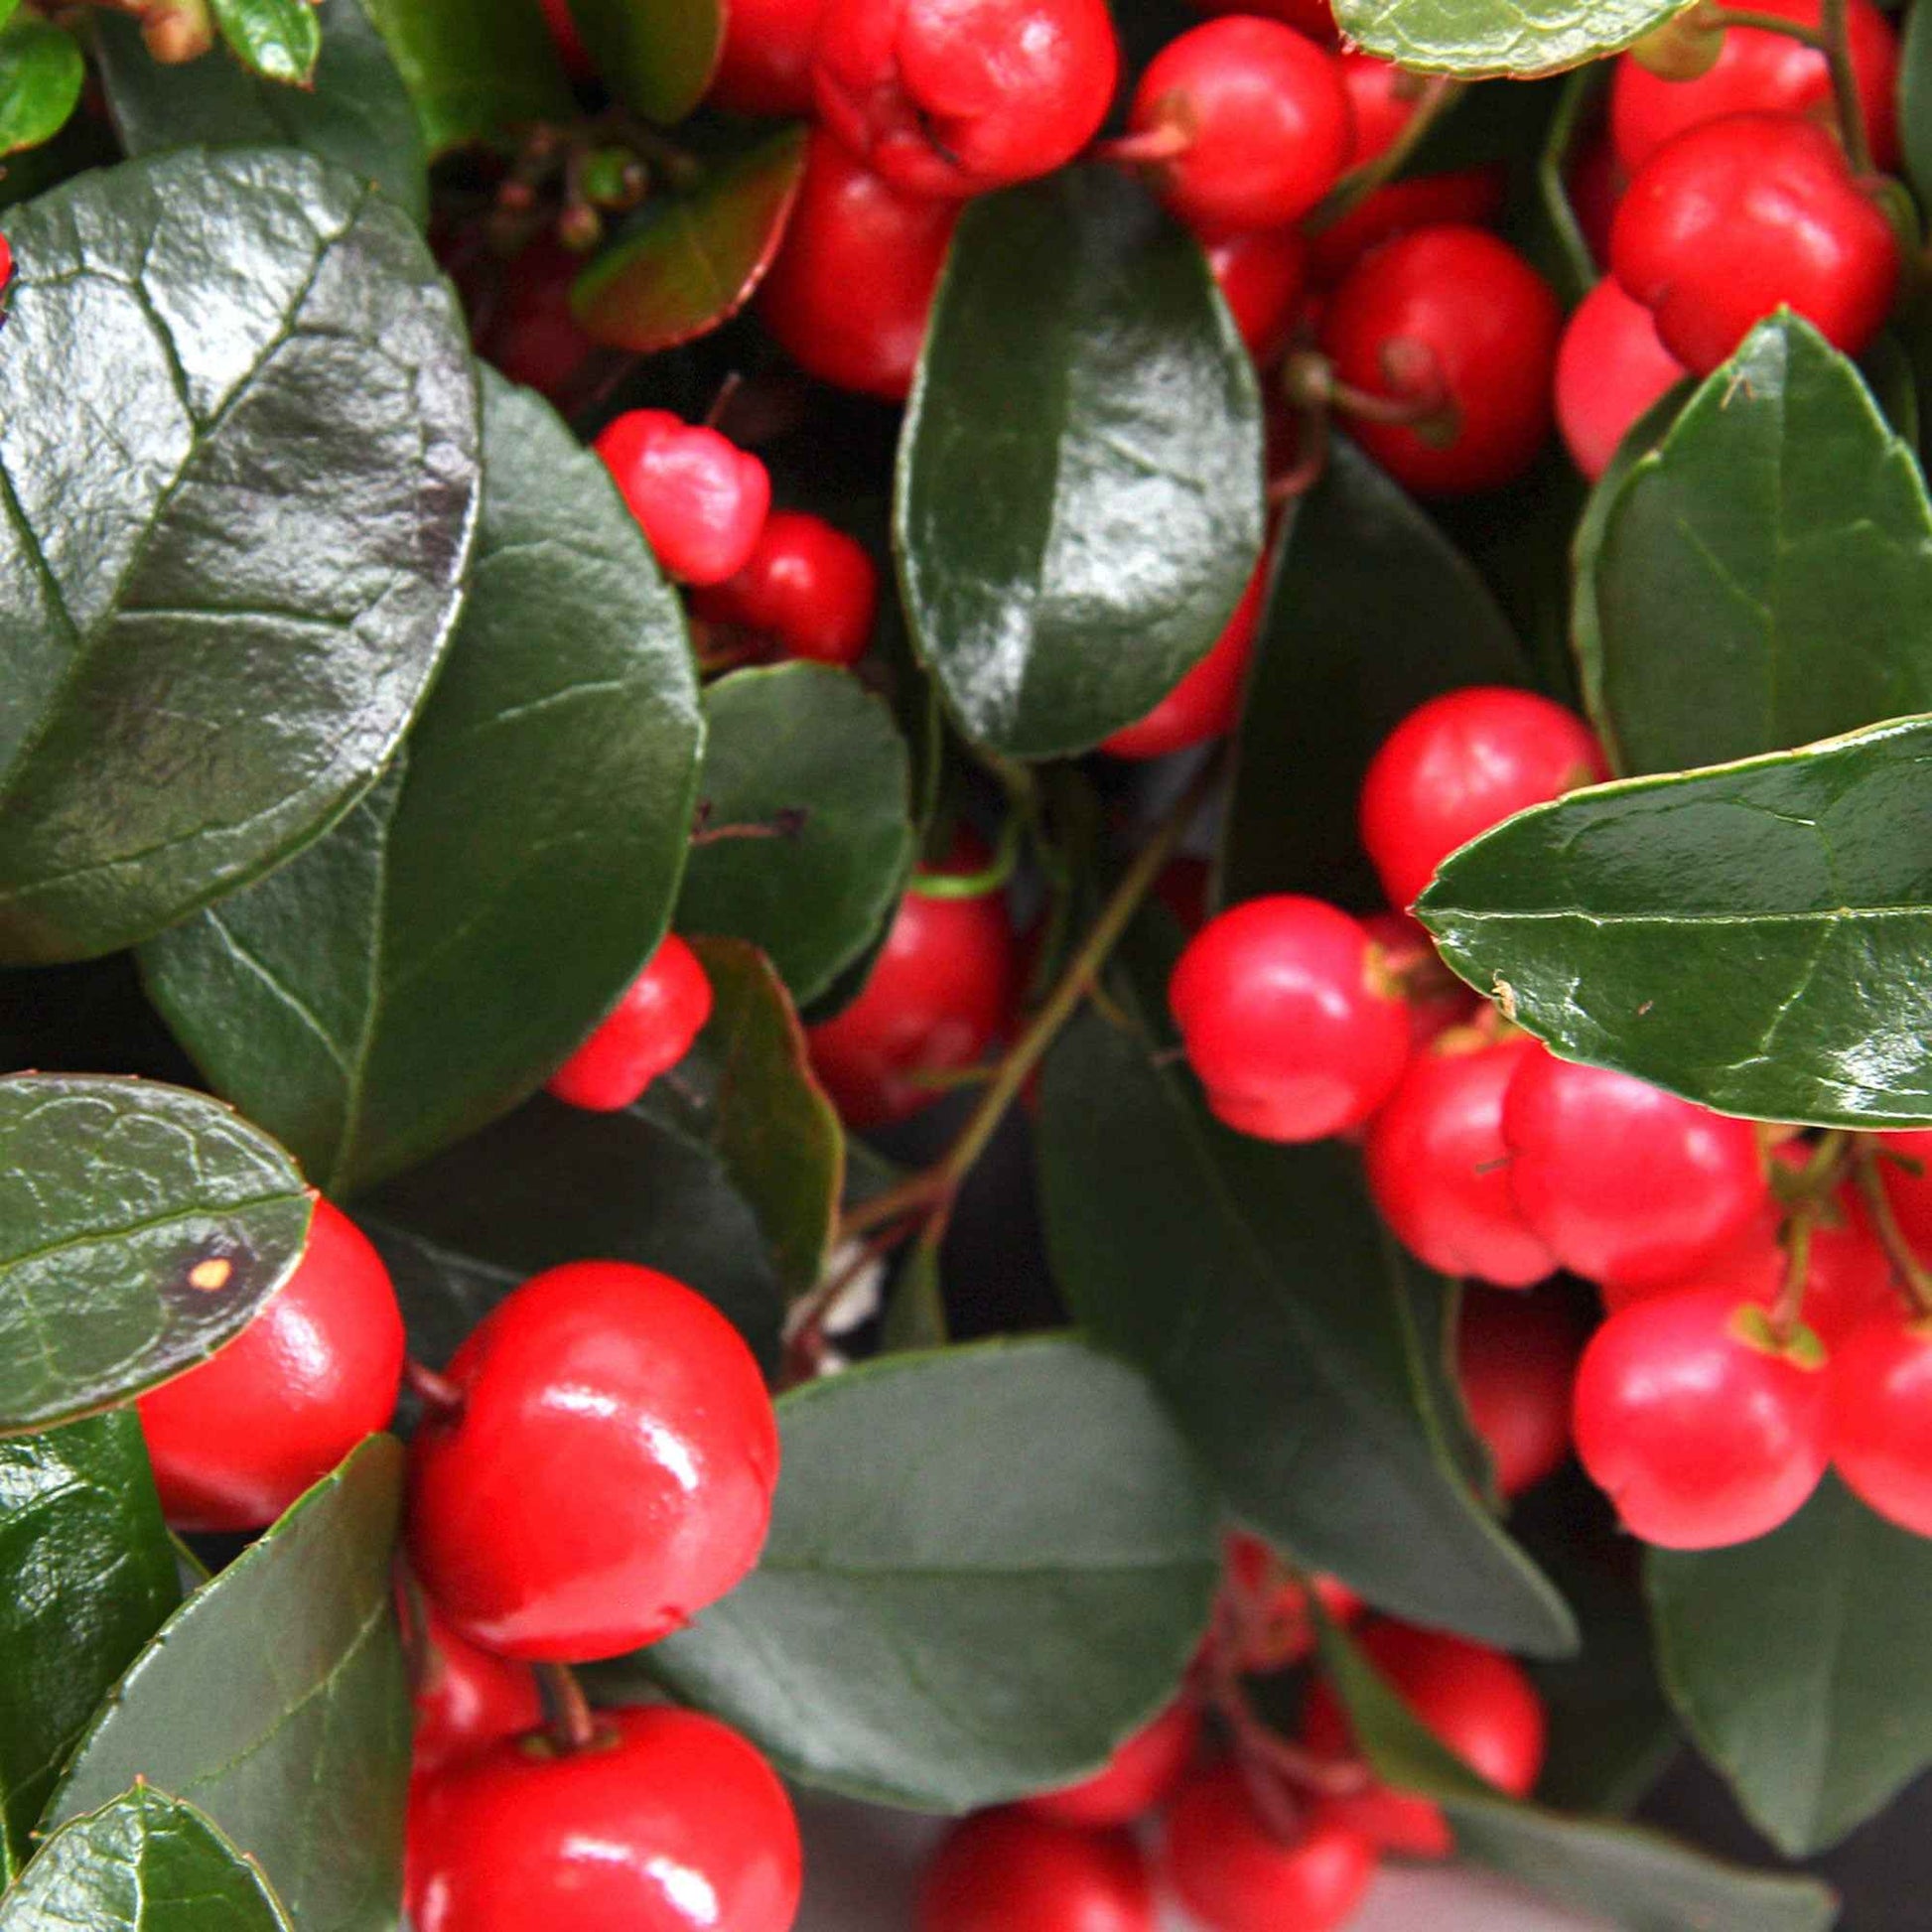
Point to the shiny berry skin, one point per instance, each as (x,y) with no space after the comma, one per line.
(1460,764)
(808,586)
(609,1475)
(701,499)
(1734,217)
(953,97)
(767,63)
(1137,1778)
(1881,1418)
(1438,1168)
(1315,18)
(1278,1618)
(1475,1702)
(848,293)
(1760,71)
(1262,275)
(1466,197)
(1611,368)
(1234,1875)
(1008,1872)
(1264,117)
(6,261)
(1454,319)
(1516,1364)
(467,1699)
(1207,702)
(1287,1020)
(664,1010)
(1909,1191)
(669,1822)
(235,1441)
(1701,1430)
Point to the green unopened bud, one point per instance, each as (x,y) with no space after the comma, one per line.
(1685,47)
(614,179)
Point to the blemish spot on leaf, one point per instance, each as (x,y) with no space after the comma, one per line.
(1505,998)
(210,1275)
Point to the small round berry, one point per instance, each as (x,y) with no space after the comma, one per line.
(1881,1418)
(1137,1778)
(669,1822)
(1611,368)
(766,67)
(807,584)
(1382,100)
(466,1699)
(1010,1871)
(610,1471)
(952,98)
(1516,1364)
(701,499)
(1699,1426)
(1905,1169)
(6,261)
(534,336)
(1262,275)
(1315,18)
(1287,1019)
(1207,702)
(1438,1168)
(1463,198)
(1235,1874)
(1734,218)
(235,1441)
(664,1010)
(1460,764)
(1456,324)
(1258,118)
(1277,1623)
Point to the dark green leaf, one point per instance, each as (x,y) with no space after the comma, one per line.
(357,114)
(1798,1664)
(693,261)
(92,1576)
(800,737)
(1887,366)
(1751,936)
(1372,613)
(553,1183)
(658,59)
(115,1195)
(427,964)
(276,39)
(1765,575)
(1483,37)
(221,616)
(277,1699)
(986,1567)
(40,72)
(1080,502)
(1915,100)
(143,1862)
(476,70)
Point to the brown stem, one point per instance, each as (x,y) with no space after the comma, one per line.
(785,824)
(1166,140)
(573,1725)
(1789,1309)
(804,1337)
(437,1393)
(1906,1268)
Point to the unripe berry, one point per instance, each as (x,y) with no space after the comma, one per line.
(1516,1365)
(1136,1780)
(466,1699)
(701,499)
(1881,1418)
(809,587)
(1611,368)
(235,1441)
(1207,702)
(664,1010)
(766,67)
(1262,275)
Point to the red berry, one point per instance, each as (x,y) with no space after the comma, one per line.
(1437,1000)
(1261,276)
(1734,219)
(1908,1187)
(1438,1168)
(701,499)
(1625,1182)
(952,98)
(1287,1019)
(1760,71)
(1260,118)
(1278,1622)
(1008,1871)
(1457,323)
(810,587)
(1207,702)
(1460,764)
(664,1010)
(610,1471)
(1597,180)
(1382,102)
(235,1441)
(1315,18)
(1137,1778)
(669,1822)
(767,63)
(1475,1700)
(467,1699)
(534,336)
(1881,1418)
(1516,1362)
(1234,1875)
(1609,369)
(848,293)
(6,261)
(1466,196)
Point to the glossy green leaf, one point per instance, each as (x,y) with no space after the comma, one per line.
(1079,499)
(41,73)
(1817,1711)
(1371,612)
(432,960)
(92,1575)
(1765,575)
(276,1698)
(141,1227)
(143,1862)
(800,738)
(278,40)
(553,1183)
(1638,1880)
(986,1567)
(357,113)
(1915,100)
(224,615)
(657,56)
(1751,936)
(1473,37)
(693,261)
(476,70)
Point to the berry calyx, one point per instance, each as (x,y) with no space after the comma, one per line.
(1207,702)
(1261,275)
(1137,1778)
(1287,1019)
(1701,1427)
(1611,367)
(609,1475)
(953,97)
(765,65)
(664,1010)
(809,587)
(701,499)
(1010,1871)
(235,1441)
(466,1697)
(1516,1364)
(670,1822)
(1881,1418)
